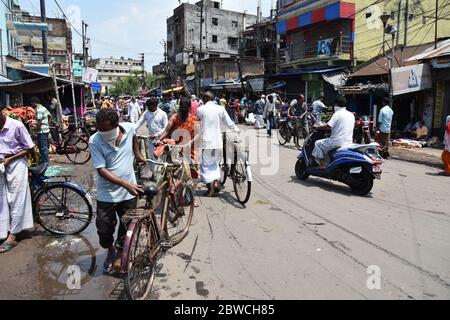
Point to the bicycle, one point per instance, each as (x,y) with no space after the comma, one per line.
(60,207)
(289,129)
(74,145)
(239,171)
(149,236)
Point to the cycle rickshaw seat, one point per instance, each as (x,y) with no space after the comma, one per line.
(150,189)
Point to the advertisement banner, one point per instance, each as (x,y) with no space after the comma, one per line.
(90,75)
(411,79)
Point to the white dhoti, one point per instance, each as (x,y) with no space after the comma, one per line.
(210,165)
(323,147)
(16,211)
(259,122)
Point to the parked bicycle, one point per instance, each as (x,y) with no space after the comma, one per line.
(238,169)
(74,145)
(162,223)
(61,207)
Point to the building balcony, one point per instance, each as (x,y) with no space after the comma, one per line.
(321,50)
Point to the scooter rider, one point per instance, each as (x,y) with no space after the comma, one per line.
(341,124)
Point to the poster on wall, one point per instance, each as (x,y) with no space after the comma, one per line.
(325,48)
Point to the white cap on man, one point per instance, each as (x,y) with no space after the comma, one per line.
(193,97)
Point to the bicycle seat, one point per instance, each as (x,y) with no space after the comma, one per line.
(150,189)
(39,170)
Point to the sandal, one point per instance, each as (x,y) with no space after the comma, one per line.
(108,265)
(5,247)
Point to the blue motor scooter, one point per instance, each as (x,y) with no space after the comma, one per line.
(356,165)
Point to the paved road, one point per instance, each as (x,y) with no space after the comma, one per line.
(295,240)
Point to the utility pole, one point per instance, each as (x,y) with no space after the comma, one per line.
(436,25)
(406,23)
(55,86)
(399,20)
(238,61)
(166,65)
(44,33)
(144,86)
(85,44)
(74,103)
(198,80)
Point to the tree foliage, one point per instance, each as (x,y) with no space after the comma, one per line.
(131,85)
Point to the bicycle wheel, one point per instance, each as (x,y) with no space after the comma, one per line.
(77,152)
(241,180)
(283,135)
(141,259)
(62,209)
(224,173)
(299,136)
(180,214)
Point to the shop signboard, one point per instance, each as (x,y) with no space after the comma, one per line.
(411,79)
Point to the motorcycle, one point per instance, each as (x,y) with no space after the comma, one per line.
(363,129)
(356,165)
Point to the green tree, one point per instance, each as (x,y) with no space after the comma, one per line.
(129,86)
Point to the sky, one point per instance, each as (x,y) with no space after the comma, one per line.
(126,27)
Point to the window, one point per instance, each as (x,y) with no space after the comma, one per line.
(110,78)
(234,24)
(233,43)
(215,21)
(214,39)
(217,5)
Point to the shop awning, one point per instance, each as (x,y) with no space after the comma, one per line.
(379,65)
(31,86)
(299,73)
(3,79)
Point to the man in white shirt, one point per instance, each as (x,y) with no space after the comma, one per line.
(211,119)
(269,114)
(134,110)
(318,108)
(341,124)
(157,122)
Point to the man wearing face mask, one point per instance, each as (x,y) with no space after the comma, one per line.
(157,121)
(114,148)
(341,125)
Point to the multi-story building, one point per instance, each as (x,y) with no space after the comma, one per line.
(320,36)
(8,34)
(220,34)
(25,41)
(259,40)
(111,69)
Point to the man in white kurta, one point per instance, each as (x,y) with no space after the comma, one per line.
(16,213)
(212,118)
(157,122)
(134,110)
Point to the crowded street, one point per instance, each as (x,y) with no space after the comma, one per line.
(224,158)
(294,240)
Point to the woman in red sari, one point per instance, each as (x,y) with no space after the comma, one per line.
(181,128)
